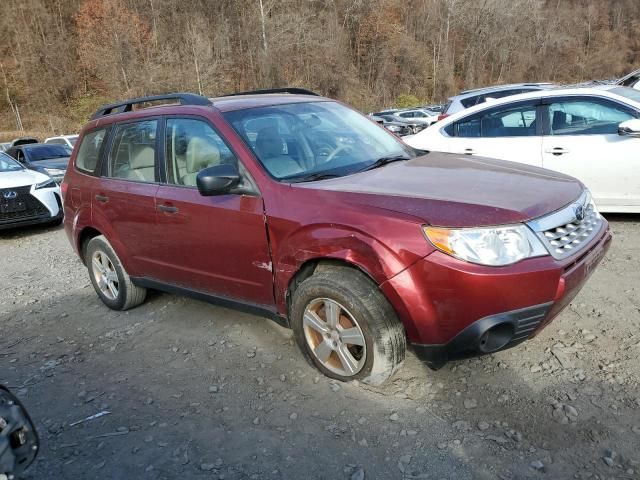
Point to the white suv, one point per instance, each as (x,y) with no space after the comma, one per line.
(68,140)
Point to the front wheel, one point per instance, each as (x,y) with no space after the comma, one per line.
(109,278)
(346,327)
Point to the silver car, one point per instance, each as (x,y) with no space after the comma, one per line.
(469,98)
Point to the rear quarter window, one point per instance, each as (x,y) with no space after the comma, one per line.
(89,150)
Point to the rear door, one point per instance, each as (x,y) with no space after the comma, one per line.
(582,141)
(218,244)
(507,132)
(124,197)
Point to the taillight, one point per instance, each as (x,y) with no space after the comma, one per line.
(442,116)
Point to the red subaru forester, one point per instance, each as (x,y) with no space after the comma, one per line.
(302,209)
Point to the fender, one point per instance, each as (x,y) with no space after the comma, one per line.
(332,242)
(100,223)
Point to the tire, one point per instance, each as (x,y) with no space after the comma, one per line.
(365,317)
(105,268)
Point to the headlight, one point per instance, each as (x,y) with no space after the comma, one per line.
(46,184)
(54,171)
(494,246)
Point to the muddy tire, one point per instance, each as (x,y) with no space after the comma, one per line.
(346,327)
(109,278)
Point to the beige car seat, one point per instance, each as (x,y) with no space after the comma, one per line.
(201,153)
(141,163)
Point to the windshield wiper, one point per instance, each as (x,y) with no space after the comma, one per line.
(382,161)
(310,177)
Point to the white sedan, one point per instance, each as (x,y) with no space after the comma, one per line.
(27,197)
(592,134)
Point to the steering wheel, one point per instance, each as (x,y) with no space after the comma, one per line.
(336,151)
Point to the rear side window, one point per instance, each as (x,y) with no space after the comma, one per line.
(470,101)
(89,151)
(506,121)
(133,153)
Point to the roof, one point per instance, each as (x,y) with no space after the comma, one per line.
(497,88)
(241,102)
(602,90)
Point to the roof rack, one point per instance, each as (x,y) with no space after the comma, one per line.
(127,105)
(292,90)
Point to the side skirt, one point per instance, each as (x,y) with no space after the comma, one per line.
(247,307)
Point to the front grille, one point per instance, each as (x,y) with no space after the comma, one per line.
(32,206)
(569,230)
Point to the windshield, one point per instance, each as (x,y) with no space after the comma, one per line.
(72,140)
(8,164)
(627,92)
(304,141)
(47,152)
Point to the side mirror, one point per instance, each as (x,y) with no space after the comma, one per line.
(19,443)
(217,180)
(630,128)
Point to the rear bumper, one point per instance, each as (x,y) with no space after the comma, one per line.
(452,309)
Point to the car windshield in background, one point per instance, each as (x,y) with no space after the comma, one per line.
(73,140)
(47,152)
(8,164)
(627,92)
(311,141)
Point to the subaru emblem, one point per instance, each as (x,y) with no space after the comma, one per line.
(578,210)
(10,194)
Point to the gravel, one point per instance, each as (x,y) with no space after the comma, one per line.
(200,391)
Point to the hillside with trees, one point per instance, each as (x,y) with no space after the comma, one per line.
(59,59)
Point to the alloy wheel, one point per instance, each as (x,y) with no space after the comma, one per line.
(105,275)
(334,337)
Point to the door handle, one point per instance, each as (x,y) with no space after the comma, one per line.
(168,208)
(557,151)
(102,198)
(469,151)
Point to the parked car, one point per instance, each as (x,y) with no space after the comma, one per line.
(420,116)
(295,206)
(631,80)
(470,98)
(414,127)
(68,140)
(399,128)
(49,159)
(23,141)
(590,133)
(26,197)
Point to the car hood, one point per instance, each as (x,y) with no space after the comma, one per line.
(21,178)
(59,163)
(458,191)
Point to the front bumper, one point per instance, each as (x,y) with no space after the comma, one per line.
(453,309)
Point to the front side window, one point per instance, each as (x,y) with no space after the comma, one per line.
(303,141)
(89,151)
(506,121)
(192,145)
(586,117)
(133,152)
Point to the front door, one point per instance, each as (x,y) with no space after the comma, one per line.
(216,244)
(583,142)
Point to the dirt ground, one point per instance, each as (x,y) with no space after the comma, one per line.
(199,391)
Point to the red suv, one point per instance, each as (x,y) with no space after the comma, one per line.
(300,208)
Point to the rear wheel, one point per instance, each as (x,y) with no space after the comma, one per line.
(109,278)
(346,327)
